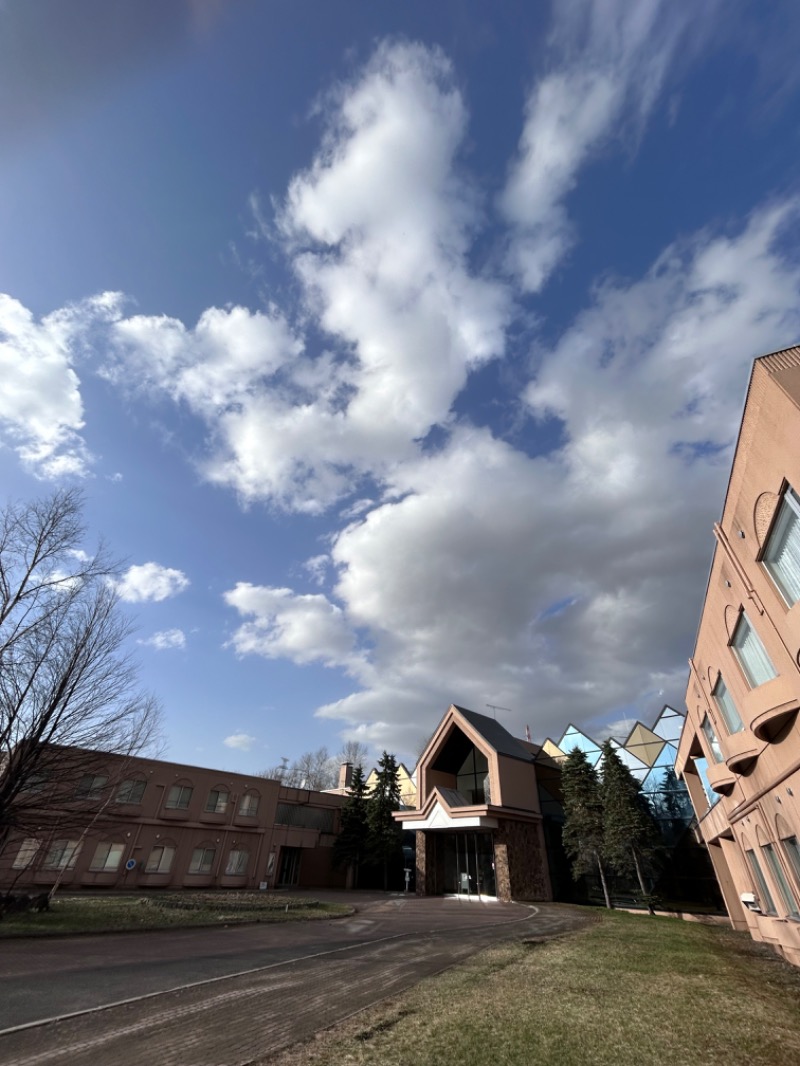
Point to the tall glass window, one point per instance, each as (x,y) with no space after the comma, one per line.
(752,654)
(727,707)
(774,863)
(782,554)
(711,737)
(767,903)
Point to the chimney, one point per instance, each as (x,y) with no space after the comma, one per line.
(345,775)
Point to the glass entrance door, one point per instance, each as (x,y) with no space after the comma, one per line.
(469,864)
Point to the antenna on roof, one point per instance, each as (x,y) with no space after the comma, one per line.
(495,708)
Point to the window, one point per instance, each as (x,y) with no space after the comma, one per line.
(62,855)
(752,654)
(789,901)
(217,801)
(179,797)
(791,849)
(248,806)
(130,792)
(765,899)
(305,817)
(727,707)
(37,782)
(26,854)
(91,785)
(202,861)
(107,858)
(782,553)
(237,863)
(711,737)
(160,859)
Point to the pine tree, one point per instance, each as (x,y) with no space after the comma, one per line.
(630,834)
(350,846)
(385,834)
(583,811)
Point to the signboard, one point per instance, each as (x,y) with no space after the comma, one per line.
(130,864)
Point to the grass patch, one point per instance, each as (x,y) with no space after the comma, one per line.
(115,914)
(627,991)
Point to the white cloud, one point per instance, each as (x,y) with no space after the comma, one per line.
(240,741)
(302,628)
(613,60)
(41,410)
(166,639)
(151,582)
(567,586)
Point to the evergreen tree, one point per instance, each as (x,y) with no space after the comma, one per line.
(385,834)
(583,812)
(630,833)
(350,846)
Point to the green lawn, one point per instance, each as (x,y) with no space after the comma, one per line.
(630,990)
(102,914)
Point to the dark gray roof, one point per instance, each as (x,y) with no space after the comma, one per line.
(495,735)
(453,797)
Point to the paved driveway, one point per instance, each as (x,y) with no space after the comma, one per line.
(228,996)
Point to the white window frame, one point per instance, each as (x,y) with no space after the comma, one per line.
(107,857)
(28,850)
(727,708)
(750,653)
(202,861)
(160,859)
(785,528)
(712,740)
(248,805)
(176,800)
(62,854)
(238,861)
(217,802)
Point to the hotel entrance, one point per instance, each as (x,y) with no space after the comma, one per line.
(469,863)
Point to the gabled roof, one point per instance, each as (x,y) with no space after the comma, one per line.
(495,735)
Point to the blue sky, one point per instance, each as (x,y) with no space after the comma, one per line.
(400,349)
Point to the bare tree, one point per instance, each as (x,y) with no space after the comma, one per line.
(354,752)
(66,679)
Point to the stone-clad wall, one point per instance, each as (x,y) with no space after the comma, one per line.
(521,862)
(430,865)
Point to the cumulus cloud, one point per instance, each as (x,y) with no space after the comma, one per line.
(41,409)
(240,741)
(284,624)
(151,582)
(166,639)
(612,60)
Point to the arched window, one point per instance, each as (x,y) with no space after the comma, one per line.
(202,861)
(179,796)
(217,802)
(237,862)
(161,857)
(248,804)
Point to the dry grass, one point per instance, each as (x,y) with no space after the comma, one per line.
(628,991)
(115,914)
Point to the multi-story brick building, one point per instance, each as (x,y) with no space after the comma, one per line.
(134,823)
(740,749)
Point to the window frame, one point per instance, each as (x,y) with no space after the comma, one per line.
(177,804)
(62,854)
(91,786)
(223,795)
(788,897)
(736,648)
(28,849)
(707,726)
(766,902)
(132,784)
(103,867)
(787,517)
(727,706)
(156,868)
(199,864)
(240,869)
(248,813)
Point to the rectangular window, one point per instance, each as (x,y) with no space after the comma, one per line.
(179,797)
(160,859)
(62,855)
(305,817)
(752,654)
(37,782)
(765,899)
(26,854)
(237,863)
(791,849)
(711,737)
(130,792)
(107,858)
(782,553)
(248,807)
(202,861)
(727,707)
(217,801)
(787,896)
(91,785)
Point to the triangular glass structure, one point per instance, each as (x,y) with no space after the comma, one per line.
(573,738)
(644,744)
(669,724)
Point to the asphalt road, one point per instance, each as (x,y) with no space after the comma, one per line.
(228,996)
